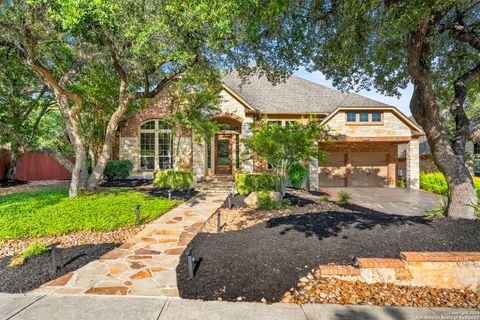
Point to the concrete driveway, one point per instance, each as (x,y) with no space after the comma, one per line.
(399,201)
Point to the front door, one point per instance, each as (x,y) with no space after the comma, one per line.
(223,154)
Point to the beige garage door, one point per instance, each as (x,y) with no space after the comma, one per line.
(369,169)
(332,172)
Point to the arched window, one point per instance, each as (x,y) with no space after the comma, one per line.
(156,145)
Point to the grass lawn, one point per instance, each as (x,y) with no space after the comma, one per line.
(51,212)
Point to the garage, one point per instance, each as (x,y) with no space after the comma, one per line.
(368,169)
(332,172)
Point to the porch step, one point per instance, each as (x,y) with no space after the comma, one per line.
(215,186)
(226,178)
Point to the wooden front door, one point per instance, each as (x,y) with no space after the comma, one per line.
(223,154)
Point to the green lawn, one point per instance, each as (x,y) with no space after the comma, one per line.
(52,212)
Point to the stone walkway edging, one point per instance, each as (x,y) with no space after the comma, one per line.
(144,265)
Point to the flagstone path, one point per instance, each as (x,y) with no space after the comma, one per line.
(144,265)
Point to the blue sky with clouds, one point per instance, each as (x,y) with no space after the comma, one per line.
(401,103)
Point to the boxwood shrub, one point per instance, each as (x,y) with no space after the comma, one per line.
(436,182)
(118,169)
(246,183)
(173,179)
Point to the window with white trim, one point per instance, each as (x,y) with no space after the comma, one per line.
(156,144)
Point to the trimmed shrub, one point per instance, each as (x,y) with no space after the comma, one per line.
(435,182)
(325,198)
(118,169)
(246,183)
(173,179)
(297,174)
(265,202)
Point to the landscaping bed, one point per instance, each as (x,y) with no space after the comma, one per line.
(317,289)
(264,257)
(146,186)
(39,270)
(15,246)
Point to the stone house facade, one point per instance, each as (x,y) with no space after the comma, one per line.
(364,153)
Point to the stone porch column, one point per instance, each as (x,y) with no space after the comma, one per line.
(199,159)
(392,167)
(413,164)
(313,180)
(246,164)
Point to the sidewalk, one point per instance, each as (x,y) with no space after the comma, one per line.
(144,265)
(73,307)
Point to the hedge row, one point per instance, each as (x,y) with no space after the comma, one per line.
(246,183)
(173,179)
(436,182)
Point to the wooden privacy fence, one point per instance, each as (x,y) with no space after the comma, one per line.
(36,166)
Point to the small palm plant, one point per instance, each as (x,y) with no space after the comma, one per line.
(437,213)
(343,197)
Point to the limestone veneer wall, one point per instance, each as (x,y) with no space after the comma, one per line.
(392,126)
(449,270)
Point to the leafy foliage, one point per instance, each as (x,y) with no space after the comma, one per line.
(325,198)
(173,179)
(246,183)
(265,202)
(33,249)
(282,146)
(118,169)
(437,213)
(343,197)
(297,174)
(51,212)
(435,182)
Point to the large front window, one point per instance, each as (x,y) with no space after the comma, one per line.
(155,145)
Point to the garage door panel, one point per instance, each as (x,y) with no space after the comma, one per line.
(369,169)
(332,172)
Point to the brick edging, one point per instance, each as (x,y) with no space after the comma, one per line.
(405,256)
(439,256)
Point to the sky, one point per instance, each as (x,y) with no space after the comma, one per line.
(402,103)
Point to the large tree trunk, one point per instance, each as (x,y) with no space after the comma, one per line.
(12,165)
(105,155)
(462,193)
(426,111)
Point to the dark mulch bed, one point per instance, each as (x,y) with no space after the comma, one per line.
(145,186)
(4,183)
(238,201)
(267,259)
(39,270)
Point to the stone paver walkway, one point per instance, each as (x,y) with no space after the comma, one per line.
(60,307)
(145,265)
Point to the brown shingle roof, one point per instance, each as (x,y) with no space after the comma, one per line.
(296,95)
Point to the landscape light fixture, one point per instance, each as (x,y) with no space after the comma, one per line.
(53,254)
(137,213)
(192,263)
